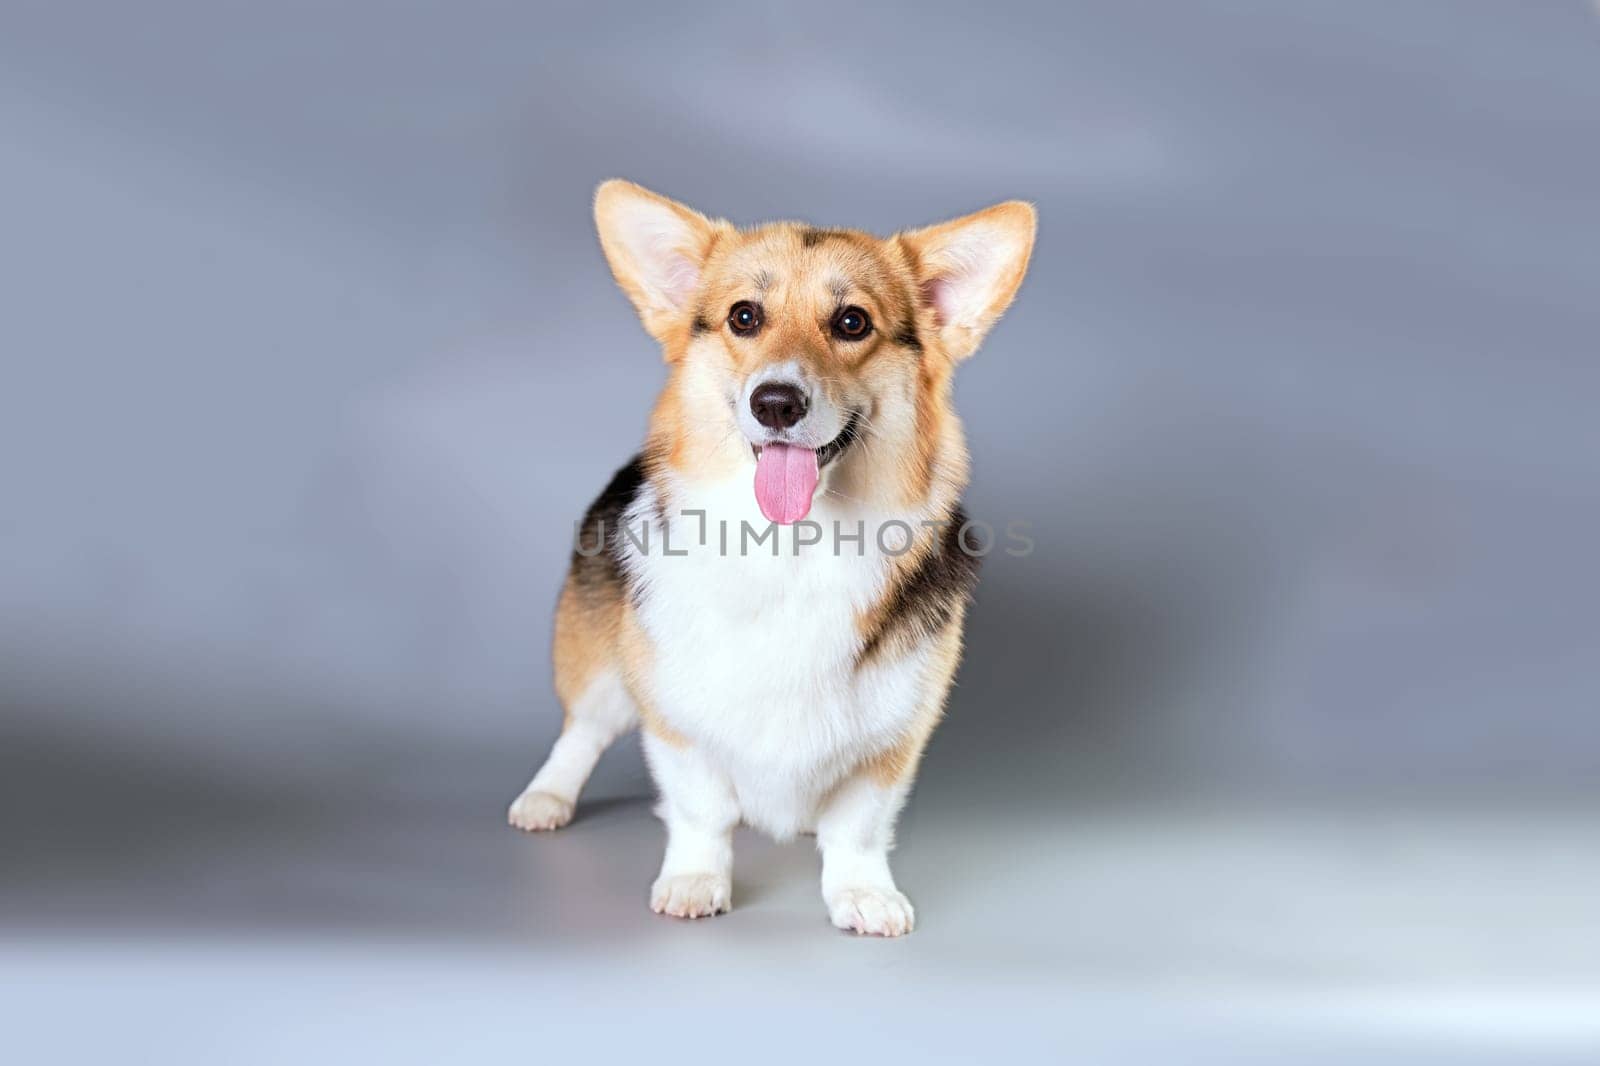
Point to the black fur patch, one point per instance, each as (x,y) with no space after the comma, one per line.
(906,336)
(700,325)
(923,601)
(596,558)
(812,237)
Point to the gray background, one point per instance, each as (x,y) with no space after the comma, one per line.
(1285,736)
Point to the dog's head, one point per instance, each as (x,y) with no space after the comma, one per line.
(797,351)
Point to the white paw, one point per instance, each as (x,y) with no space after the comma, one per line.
(539,810)
(873,911)
(691,895)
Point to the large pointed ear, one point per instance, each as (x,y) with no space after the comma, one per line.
(970,268)
(656,248)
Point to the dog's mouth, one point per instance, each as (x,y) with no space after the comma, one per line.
(831,450)
(787,474)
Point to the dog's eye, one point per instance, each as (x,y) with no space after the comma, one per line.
(851,324)
(744,318)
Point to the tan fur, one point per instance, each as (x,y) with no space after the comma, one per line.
(937,251)
(612,202)
(597,632)
(875,617)
(898,762)
(636,656)
(799,271)
(586,630)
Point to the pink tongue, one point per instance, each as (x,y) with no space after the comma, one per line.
(786,477)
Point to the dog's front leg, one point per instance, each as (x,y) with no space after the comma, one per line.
(700,810)
(855,831)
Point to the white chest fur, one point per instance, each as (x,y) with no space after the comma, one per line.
(755,654)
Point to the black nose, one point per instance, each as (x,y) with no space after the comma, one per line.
(777,405)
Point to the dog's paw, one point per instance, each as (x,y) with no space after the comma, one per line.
(872,911)
(534,811)
(691,895)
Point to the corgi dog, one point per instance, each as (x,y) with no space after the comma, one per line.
(774,588)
